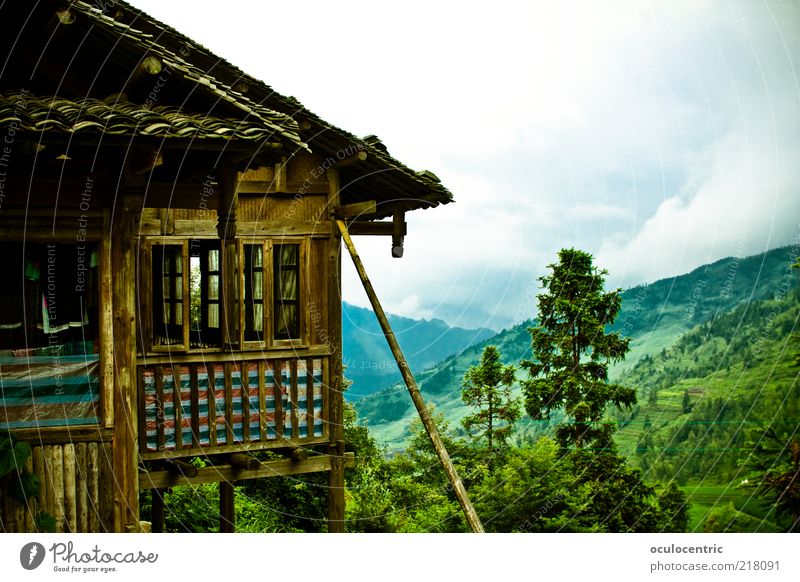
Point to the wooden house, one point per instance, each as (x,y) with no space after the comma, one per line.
(171,265)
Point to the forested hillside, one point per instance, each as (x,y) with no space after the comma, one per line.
(653,316)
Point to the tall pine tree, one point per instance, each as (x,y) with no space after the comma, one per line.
(571,351)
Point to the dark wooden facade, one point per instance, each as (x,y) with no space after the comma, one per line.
(172,223)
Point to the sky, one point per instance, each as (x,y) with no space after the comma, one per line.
(659,136)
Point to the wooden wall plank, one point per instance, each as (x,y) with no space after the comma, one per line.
(40,469)
(93,523)
(70,493)
(82,487)
(57,478)
(29,524)
(107,489)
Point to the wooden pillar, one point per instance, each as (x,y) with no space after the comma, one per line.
(157,512)
(124,245)
(227,512)
(336,406)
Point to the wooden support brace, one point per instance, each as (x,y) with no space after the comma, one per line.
(293,452)
(244,461)
(178,467)
(458,487)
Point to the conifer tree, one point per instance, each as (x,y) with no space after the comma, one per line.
(572,350)
(487,386)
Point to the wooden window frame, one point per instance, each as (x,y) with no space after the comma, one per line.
(231,295)
(300,301)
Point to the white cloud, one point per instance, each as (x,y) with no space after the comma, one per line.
(658,135)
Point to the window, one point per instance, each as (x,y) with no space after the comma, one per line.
(243,296)
(186,294)
(204,298)
(286,258)
(255,291)
(169,293)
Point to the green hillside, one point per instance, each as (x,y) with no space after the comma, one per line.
(368,360)
(654,316)
(719,406)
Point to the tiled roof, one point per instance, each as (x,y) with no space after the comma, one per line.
(177,63)
(219,76)
(41,114)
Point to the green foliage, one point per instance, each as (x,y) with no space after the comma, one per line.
(22,485)
(487,387)
(572,351)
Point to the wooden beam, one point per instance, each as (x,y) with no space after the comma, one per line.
(58,435)
(244,461)
(356,158)
(458,487)
(180,468)
(217,473)
(375,228)
(356,209)
(269,445)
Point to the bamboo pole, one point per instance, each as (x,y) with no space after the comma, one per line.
(458,487)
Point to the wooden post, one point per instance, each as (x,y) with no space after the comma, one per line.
(227,513)
(123,256)
(157,513)
(458,487)
(336,502)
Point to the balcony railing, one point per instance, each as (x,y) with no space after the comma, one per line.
(252,403)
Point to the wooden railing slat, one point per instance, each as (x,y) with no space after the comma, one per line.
(244,375)
(195,384)
(295,414)
(159,378)
(277,367)
(262,400)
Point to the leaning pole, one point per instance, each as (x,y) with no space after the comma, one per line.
(458,487)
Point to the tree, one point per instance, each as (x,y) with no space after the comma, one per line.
(488,387)
(686,403)
(571,351)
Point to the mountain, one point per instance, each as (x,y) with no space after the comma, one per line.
(368,360)
(654,316)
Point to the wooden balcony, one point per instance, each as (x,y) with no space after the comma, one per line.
(248,403)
